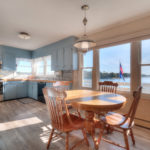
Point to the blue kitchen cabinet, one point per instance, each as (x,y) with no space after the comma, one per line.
(10,90)
(33,90)
(21,89)
(65,59)
(9,62)
(55,60)
(30,90)
(15,90)
(60,60)
(68,57)
(49,84)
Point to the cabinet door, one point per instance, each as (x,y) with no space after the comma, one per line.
(21,89)
(35,91)
(49,84)
(68,59)
(10,91)
(75,58)
(9,62)
(30,90)
(55,60)
(60,59)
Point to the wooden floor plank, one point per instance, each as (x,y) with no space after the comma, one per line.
(27,127)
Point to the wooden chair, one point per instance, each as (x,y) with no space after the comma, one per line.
(124,123)
(61,119)
(61,85)
(108,86)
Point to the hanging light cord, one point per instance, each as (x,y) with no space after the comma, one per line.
(84,8)
(85,22)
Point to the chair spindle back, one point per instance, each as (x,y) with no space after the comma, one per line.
(108,86)
(56,106)
(61,85)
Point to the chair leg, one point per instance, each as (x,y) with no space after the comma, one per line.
(85,137)
(67,141)
(132,137)
(126,139)
(99,138)
(50,138)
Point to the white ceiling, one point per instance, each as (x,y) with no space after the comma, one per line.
(48,21)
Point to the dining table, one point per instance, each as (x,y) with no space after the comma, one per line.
(94,102)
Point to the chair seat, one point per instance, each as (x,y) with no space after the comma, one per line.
(114,119)
(77,123)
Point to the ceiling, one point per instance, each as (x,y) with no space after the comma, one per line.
(48,21)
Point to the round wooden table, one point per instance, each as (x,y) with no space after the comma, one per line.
(94,102)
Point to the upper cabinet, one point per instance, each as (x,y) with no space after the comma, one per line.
(65,59)
(9,62)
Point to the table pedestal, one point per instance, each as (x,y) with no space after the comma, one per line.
(90,125)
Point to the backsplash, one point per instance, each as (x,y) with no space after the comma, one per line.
(59,75)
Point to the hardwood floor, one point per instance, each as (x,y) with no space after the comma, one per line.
(26,126)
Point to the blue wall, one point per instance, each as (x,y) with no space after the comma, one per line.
(8,54)
(47,50)
(15,52)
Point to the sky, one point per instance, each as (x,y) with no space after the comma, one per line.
(111,57)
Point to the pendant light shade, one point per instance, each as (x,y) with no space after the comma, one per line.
(84,44)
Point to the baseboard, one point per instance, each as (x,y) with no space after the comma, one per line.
(142,123)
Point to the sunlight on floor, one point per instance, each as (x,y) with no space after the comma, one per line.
(44,136)
(19,123)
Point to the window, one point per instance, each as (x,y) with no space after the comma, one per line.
(39,63)
(145,66)
(42,66)
(24,65)
(87,69)
(48,65)
(115,65)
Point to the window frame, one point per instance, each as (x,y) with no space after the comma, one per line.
(116,44)
(45,74)
(144,95)
(82,68)
(24,59)
(135,46)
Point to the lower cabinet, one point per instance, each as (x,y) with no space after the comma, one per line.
(10,91)
(33,90)
(14,90)
(49,84)
(19,89)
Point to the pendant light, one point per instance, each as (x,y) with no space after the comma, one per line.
(84,43)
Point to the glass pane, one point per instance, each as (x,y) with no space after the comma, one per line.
(87,78)
(24,66)
(40,63)
(145,79)
(48,70)
(145,52)
(115,65)
(48,60)
(88,59)
(40,71)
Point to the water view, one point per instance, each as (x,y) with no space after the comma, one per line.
(124,85)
